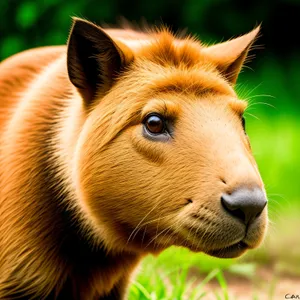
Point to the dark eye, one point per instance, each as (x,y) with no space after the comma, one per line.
(244,123)
(155,124)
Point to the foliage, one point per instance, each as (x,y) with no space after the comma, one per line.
(272,116)
(28,23)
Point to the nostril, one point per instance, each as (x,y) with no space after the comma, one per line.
(189,201)
(244,204)
(223,180)
(258,215)
(236,212)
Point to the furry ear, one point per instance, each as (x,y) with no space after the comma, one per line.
(230,56)
(94,60)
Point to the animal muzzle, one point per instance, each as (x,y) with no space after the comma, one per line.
(244,204)
(237,225)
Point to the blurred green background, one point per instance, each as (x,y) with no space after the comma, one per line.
(271,83)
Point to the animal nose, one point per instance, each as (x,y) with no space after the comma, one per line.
(245,204)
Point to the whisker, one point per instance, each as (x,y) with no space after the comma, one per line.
(151,221)
(157,225)
(177,225)
(249,92)
(208,227)
(253,116)
(260,96)
(261,103)
(156,236)
(141,222)
(144,235)
(194,235)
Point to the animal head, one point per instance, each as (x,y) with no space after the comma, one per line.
(163,157)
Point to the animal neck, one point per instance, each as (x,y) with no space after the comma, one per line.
(54,243)
(93,269)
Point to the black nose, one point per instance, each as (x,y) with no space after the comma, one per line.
(245,204)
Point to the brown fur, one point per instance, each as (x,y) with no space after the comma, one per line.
(84,195)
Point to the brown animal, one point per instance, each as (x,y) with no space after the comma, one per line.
(121,144)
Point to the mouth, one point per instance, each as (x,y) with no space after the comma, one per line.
(232,251)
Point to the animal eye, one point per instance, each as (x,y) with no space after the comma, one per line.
(155,124)
(244,123)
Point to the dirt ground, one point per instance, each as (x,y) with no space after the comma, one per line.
(265,286)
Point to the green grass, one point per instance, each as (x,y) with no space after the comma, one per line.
(273,125)
(179,274)
(174,283)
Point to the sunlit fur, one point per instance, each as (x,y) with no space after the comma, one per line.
(85,195)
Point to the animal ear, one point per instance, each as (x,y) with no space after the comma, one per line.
(94,60)
(230,56)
